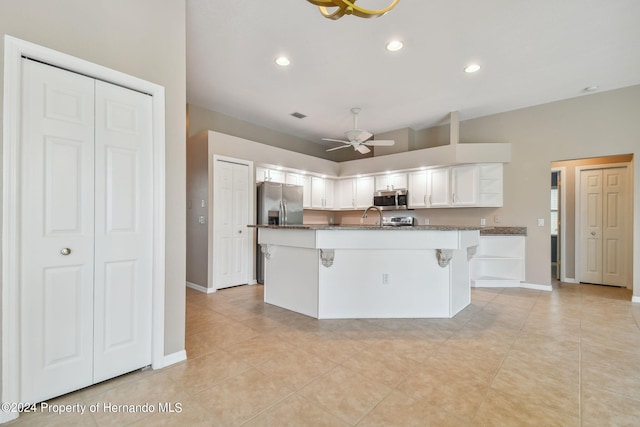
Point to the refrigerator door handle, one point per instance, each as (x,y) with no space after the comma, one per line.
(284,209)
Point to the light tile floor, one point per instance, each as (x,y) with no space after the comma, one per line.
(514,357)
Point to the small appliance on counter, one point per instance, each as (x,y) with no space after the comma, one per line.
(391,199)
(399,221)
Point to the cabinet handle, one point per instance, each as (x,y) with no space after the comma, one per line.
(424,199)
(453,197)
(429,199)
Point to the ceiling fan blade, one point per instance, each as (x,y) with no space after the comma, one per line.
(362,149)
(362,136)
(380,142)
(336,140)
(337,148)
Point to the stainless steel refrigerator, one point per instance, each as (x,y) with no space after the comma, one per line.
(278,204)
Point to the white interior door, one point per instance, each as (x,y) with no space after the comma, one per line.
(56,232)
(231,217)
(85,306)
(123,230)
(602,226)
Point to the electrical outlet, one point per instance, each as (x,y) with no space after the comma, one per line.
(426,221)
(483,221)
(540,222)
(385,278)
(497,219)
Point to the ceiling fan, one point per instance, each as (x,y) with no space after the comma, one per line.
(358,138)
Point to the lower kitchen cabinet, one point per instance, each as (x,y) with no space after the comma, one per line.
(499,262)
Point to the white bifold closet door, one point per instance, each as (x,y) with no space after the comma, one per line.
(85,232)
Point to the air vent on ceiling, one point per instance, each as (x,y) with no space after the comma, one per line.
(298,115)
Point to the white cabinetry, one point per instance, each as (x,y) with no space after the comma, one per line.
(321,193)
(499,262)
(490,188)
(270,175)
(394,181)
(464,185)
(355,193)
(347,193)
(418,189)
(305,181)
(473,185)
(364,192)
(438,188)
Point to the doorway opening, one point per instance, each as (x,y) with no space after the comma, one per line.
(581,252)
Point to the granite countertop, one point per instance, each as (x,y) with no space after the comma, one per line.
(503,231)
(367,227)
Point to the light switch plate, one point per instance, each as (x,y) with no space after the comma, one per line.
(540,222)
(483,221)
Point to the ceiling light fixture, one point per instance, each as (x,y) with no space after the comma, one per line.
(471,68)
(339,8)
(282,61)
(394,45)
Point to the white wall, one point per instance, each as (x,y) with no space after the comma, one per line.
(143,38)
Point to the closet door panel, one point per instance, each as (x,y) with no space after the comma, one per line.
(123,223)
(56,232)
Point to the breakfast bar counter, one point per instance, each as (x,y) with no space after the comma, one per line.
(343,272)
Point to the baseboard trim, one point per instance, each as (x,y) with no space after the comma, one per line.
(200,288)
(569,280)
(537,287)
(635,299)
(5,417)
(173,358)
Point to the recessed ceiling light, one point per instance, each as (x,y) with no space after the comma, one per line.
(590,88)
(471,68)
(282,61)
(394,45)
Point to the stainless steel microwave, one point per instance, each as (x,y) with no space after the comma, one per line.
(391,200)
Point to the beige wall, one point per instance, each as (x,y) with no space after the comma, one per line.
(146,39)
(197,192)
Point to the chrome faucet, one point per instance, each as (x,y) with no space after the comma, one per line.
(364,215)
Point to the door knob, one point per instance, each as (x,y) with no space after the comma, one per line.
(239,231)
(593,233)
(65,251)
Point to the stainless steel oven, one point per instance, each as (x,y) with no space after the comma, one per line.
(391,200)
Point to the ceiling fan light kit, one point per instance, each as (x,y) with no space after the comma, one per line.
(359,139)
(336,9)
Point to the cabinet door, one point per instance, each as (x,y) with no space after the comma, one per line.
(346,194)
(398,181)
(382,183)
(261,174)
(418,189)
(321,193)
(328,193)
(293,178)
(438,188)
(306,192)
(364,191)
(276,176)
(464,182)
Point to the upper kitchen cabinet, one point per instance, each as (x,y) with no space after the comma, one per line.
(465,181)
(490,190)
(364,192)
(305,181)
(355,193)
(438,192)
(321,193)
(269,175)
(472,185)
(418,189)
(388,182)
(346,193)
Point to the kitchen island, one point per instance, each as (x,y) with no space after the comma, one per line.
(345,272)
